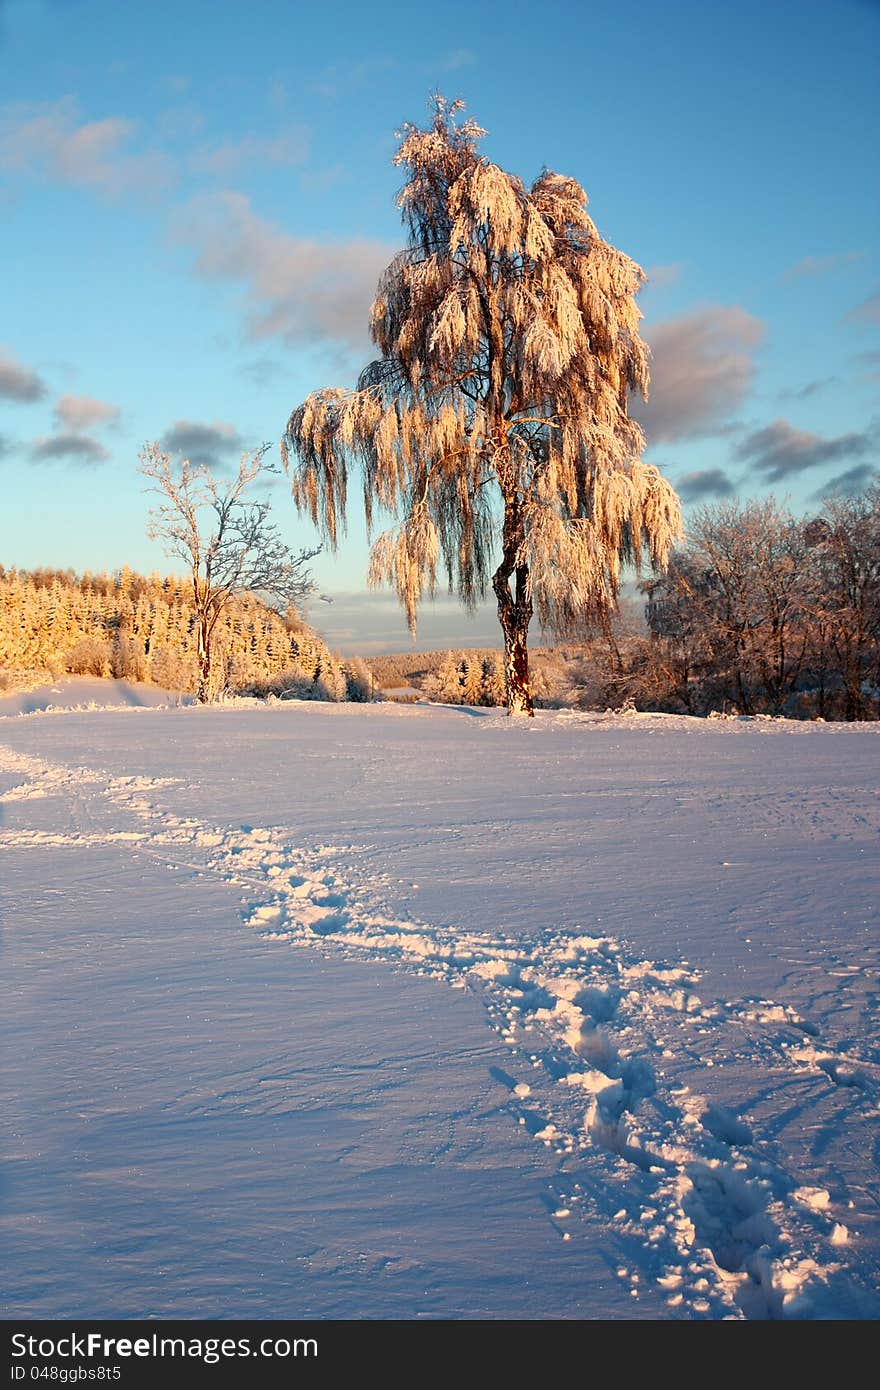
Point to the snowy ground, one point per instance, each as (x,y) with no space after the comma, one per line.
(343,1011)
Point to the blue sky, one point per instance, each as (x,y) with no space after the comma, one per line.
(196,200)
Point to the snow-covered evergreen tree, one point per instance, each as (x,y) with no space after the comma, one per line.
(359,680)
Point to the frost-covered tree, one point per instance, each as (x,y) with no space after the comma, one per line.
(226,541)
(139,628)
(472,680)
(843,545)
(358,680)
(495,423)
(493,692)
(448,680)
(732,606)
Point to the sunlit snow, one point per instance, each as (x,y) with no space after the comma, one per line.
(346,1011)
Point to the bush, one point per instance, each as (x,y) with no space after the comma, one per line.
(90,656)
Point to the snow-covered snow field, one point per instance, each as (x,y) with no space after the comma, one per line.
(347,1011)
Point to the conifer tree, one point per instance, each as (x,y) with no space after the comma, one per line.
(472,681)
(493,682)
(448,680)
(494,423)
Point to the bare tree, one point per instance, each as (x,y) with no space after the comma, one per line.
(495,422)
(226,541)
(731,607)
(844,551)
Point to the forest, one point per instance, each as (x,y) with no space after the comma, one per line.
(53,622)
(759,612)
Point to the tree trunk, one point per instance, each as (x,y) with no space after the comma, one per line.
(515,614)
(203,692)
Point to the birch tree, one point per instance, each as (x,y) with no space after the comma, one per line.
(225,540)
(493,427)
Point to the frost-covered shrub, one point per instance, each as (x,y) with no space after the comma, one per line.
(330,682)
(128,660)
(358,681)
(172,669)
(90,656)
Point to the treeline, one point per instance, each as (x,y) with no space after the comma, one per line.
(144,629)
(760,613)
(766,613)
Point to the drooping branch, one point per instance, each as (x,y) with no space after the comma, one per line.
(509,345)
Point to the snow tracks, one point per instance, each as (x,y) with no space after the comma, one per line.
(598,1043)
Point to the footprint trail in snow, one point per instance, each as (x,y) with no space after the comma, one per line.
(715,1221)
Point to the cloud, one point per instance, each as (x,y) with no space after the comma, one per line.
(262,371)
(341,79)
(373,622)
(51,139)
(456,59)
(283,151)
(848,484)
(812,388)
(296,289)
(702,368)
(177,83)
(18,383)
(868,311)
(780,451)
(78,413)
(822,265)
(659,276)
(870,363)
(209,445)
(320,180)
(77,448)
(181,124)
(704,482)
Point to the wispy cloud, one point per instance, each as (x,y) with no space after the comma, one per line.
(703,483)
(822,265)
(76,414)
(282,151)
(212,445)
(456,59)
(262,371)
(319,180)
(75,448)
(19,383)
(780,451)
(296,289)
(443,622)
(812,388)
(331,82)
(702,368)
(868,311)
(52,140)
(178,84)
(853,481)
(659,276)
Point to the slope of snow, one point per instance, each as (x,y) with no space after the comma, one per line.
(347,1011)
(88,692)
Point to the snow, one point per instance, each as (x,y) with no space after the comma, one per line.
(409,1011)
(87,692)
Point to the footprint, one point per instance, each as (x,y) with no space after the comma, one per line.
(724,1125)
